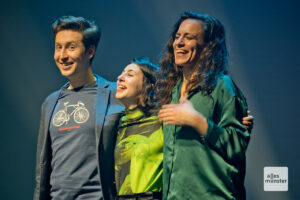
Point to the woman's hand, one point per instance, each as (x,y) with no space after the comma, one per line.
(183,114)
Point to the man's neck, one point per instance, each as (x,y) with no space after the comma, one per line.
(83,79)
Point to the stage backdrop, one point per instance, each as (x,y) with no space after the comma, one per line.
(263,40)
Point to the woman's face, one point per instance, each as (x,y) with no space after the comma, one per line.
(129,85)
(187,42)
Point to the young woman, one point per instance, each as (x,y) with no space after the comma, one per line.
(139,145)
(204,139)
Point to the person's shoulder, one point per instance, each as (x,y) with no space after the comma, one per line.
(226,84)
(105,83)
(224,80)
(52,96)
(112,85)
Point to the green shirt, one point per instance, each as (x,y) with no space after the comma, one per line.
(138,153)
(210,167)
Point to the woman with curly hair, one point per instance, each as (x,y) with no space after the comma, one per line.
(202,111)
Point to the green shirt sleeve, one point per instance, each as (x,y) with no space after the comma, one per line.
(228,135)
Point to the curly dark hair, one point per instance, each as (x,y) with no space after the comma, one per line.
(211,62)
(147,99)
(90,31)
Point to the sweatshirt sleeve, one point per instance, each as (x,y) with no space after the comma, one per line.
(227,134)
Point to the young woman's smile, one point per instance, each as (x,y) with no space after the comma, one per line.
(129,85)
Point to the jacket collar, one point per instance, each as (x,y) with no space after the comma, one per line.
(101,82)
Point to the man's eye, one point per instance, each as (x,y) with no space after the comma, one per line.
(72,47)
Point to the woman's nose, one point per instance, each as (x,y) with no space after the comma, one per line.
(180,41)
(120,77)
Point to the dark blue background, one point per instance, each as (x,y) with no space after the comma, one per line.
(263,39)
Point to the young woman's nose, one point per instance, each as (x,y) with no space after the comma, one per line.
(120,77)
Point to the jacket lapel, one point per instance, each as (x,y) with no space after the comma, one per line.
(101,103)
(50,109)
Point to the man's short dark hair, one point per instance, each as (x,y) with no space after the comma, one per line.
(90,31)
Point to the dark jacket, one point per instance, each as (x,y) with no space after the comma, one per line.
(108,110)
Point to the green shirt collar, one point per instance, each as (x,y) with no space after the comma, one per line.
(177,90)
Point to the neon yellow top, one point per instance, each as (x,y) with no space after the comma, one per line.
(138,153)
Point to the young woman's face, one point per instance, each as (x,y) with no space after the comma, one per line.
(187,42)
(129,85)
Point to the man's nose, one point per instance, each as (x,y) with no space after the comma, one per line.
(64,54)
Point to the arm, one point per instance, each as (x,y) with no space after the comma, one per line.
(228,135)
(43,153)
(37,189)
(184,114)
(225,134)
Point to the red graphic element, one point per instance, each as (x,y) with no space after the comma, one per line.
(68,128)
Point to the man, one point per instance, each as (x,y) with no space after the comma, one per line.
(78,122)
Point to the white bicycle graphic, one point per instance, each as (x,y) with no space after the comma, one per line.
(80,114)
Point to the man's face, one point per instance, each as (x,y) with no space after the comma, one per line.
(70,55)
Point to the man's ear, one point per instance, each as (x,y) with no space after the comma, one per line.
(91,51)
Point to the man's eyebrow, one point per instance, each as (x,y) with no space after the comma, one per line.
(69,42)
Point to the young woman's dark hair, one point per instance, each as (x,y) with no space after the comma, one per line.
(211,62)
(147,100)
